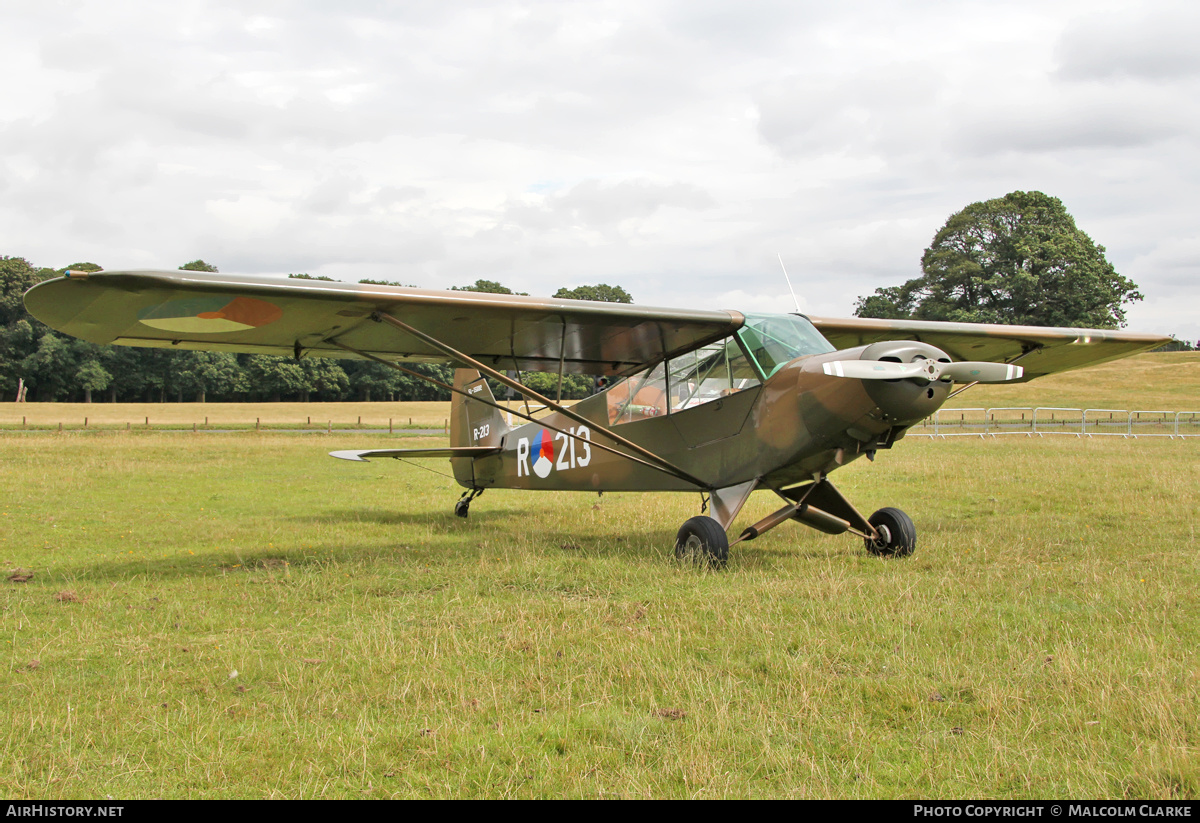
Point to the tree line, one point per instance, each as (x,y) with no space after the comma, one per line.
(1017,259)
(55,367)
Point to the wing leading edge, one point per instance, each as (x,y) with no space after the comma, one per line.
(285,316)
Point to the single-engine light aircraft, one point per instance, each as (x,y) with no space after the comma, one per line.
(717,402)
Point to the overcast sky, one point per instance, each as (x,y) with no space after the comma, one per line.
(672,147)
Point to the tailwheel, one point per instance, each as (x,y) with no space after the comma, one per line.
(702,540)
(463,507)
(897,534)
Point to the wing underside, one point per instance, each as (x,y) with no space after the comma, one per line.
(212,312)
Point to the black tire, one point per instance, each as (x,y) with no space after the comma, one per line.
(702,540)
(898,535)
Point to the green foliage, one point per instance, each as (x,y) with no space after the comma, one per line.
(50,367)
(1179,345)
(387,283)
(601,292)
(1018,259)
(91,376)
(311,277)
(81,267)
(272,377)
(488,287)
(197,265)
(323,377)
(204,372)
(575,386)
(16,278)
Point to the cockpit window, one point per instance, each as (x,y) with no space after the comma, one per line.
(684,382)
(639,397)
(709,373)
(776,339)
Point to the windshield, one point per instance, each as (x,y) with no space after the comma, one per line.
(775,339)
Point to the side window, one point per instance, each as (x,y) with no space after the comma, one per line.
(708,374)
(693,379)
(638,398)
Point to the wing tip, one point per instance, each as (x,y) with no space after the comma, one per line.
(354,455)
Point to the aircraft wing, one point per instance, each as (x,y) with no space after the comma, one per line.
(283,316)
(1042,350)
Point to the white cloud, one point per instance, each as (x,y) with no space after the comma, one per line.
(673,147)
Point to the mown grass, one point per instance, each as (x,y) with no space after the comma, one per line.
(1040,643)
(1158,380)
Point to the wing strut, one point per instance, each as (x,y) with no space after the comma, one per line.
(665,467)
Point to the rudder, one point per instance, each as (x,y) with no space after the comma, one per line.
(472,422)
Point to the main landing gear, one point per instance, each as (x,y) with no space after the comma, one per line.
(887,533)
(897,534)
(702,540)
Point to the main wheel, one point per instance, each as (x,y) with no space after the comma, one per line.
(702,539)
(897,534)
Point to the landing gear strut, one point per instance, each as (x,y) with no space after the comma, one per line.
(897,534)
(463,507)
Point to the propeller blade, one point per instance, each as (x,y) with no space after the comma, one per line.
(876,369)
(968,371)
(964,372)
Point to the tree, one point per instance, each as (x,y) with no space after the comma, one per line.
(202,372)
(601,292)
(197,265)
(91,376)
(1018,259)
(273,376)
(325,377)
(387,283)
(81,267)
(16,278)
(488,287)
(51,368)
(311,277)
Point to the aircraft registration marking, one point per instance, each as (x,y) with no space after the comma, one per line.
(539,455)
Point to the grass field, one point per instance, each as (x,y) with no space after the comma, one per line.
(236,615)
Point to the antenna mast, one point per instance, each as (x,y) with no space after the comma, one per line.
(789,282)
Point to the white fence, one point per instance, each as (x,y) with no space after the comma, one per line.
(1043,420)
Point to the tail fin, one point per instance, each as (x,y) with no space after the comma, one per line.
(474,423)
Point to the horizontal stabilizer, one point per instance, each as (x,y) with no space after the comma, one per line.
(361,456)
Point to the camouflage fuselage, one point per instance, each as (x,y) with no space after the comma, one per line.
(798,422)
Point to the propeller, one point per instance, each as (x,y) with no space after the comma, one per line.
(966,371)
